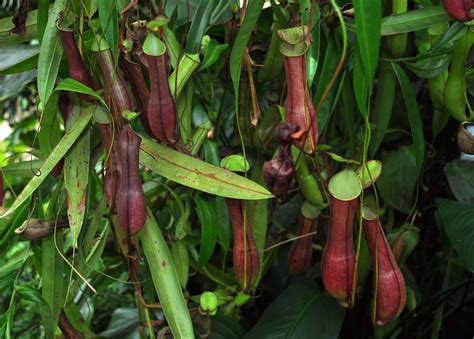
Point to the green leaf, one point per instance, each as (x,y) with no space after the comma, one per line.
(71,85)
(23,168)
(414,20)
(59,151)
(165,279)
(42,19)
(50,132)
(236,56)
(181,261)
(414,115)
(223,226)
(368,22)
(329,66)
(124,321)
(301,311)
(197,174)
(199,25)
(398,179)
(461,180)
(50,54)
(458,222)
(109,22)
(76,175)
(208,230)
(53,282)
(383,104)
(213,52)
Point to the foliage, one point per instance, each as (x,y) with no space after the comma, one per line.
(256,120)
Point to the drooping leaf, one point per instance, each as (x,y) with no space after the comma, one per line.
(165,279)
(383,105)
(214,51)
(208,230)
(414,115)
(53,282)
(236,57)
(199,25)
(108,18)
(414,20)
(198,174)
(50,54)
(76,175)
(59,151)
(368,25)
(75,86)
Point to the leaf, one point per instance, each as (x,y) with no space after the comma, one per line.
(223,226)
(109,22)
(165,279)
(12,55)
(197,174)
(31,294)
(72,85)
(123,321)
(50,132)
(301,311)
(461,180)
(42,19)
(414,20)
(23,168)
(329,66)
(208,230)
(50,54)
(76,176)
(383,105)
(199,25)
(236,56)
(414,115)
(398,179)
(56,155)
(53,282)
(225,328)
(458,222)
(181,261)
(214,51)
(368,22)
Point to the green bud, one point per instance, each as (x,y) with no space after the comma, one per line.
(208,303)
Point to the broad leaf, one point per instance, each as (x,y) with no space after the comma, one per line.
(458,222)
(301,311)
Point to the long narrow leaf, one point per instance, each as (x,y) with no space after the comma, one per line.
(368,21)
(165,279)
(197,174)
(50,54)
(414,115)
(252,13)
(58,153)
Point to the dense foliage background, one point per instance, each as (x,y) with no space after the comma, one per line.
(389,81)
